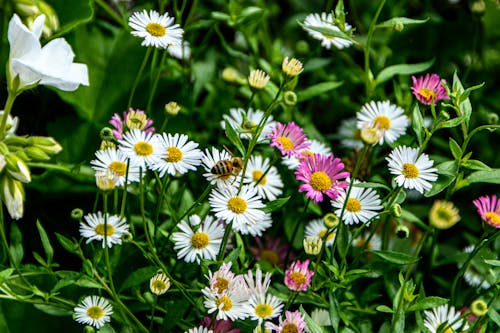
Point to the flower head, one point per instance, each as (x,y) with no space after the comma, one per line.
(316,147)
(446,318)
(325,21)
(94,311)
(386,120)
(322,174)
(133,119)
(360,207)
(159,284)
(230,304)
(317,228)
(180,52)
(291,67)
(258,79)
(264,177)
(181,155)
(477,273)
(204,242)
(489,209)
(50,65)
(429,89)
(143,147)
(298,276)
(443,214)
(199,329)
(261,307)
(157,30)
(246,122)
(271,250)
(294,322)
(100,227)
(113,162)
(412,171)
(216,164)
(288,138)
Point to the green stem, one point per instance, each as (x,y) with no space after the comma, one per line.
(106,248)
(223,245)
(371,30)
(155,82)
(143,213)
(296,229)
(112,13)
(196,203)
(11,97)
(138,77)
(290,300)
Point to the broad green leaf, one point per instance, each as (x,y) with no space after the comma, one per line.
(418,124)
(455,149)
(395,257)
(274,205)
(492,177)
(493,315)
(400,20)
(427,303)
(234,137)
(334,312)
(447,168)
(67,244)
(72,14)
(439,185)
(16,244)
(329,32)
(86,282)
(49,251)
(475,165)
(402,69)
(384,308)
(340,12)
(311,324)
(5,274)
(317,89)
(53,310)
(492,262)
(342,239)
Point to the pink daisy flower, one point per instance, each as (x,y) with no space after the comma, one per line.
(294,322)
(429,88)
(133,119)
(298,276)
(489,209)
(321,174)
(288,138)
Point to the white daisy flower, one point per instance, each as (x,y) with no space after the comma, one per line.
(219,168)
(349,134)
(375,242)
(326,21)
(157,30)
(181,155)
(203,243)
(259,285)
(94,311)
(412,171)
(316,147)
(179,52)
(262,307)
(228,305)
(243,209)
(245,123)
(264,177)
(113,161)
(254,227)
(362,205)
(199,329)
(388,119)
(96,225)
(446,317)
(317,228)
(142,147)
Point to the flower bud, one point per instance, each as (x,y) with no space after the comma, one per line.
(46,143)
(231,75)
(159,284)
(51,20)
(105,144)
(258,79)
(37,154)
(398,26)
(88,329)
(302,47)
(312,245)
(13,197)
(290,98)
(479,307)
(148,297)
(443,214)
(127,237)
(17,168)
(26,8)
(291,67)
(443,115)
(172,108)
(77,214)
(402,231)
(396,210)
(106,181)
(107,134)
(478,7)
(331,220)
(370,135)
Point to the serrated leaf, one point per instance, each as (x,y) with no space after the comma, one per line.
(394,257)
(317,89)
(400,20)
(47,247)
(274,205)
(402,69)
(475,165)
(138,276)
(455,149)
(427,303)
(384,308)
(491,177)
(234,138)
(53,310)
(418,124)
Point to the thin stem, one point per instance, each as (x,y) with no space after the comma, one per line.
(112,13)
(106,248)
(371,30)
(143,213)
(156,80)
(196,203)
(11,97)
(138,77)
(223,245)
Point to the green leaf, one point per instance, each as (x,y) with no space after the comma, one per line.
(490,262)
(234,138)
(494,316)
(311,324)
(402,69)
(67,244)
(16,244)
(400,20)
(72,14)
(274,205)
(86,282)
(418,124)
(5,274)
(139,276)
(475,165)
(329,32)
(427,303)
(394,257)
(464,104)
(455,149)
(317,89)
(334,312)
(492,177)
(340,12)
(53,310)
(384,308)
(439,185)
(49,251)
(342,239)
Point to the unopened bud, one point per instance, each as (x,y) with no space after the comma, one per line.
(402,231)
(479,307)
(291,67)
(51,20)
(396,210)
(258,79)
(370,135)
(37,154)
(46,143)
(478,7)
(290,98)
(148,297)
(88,329)
(331,221)
(302,47)
(13,197)
(106,181)
(127,237)
(230,74)
(105,144)
(17,168)
(107,134)
(399,26)
(443,115)
(77,214)
(312,245)
(172,108)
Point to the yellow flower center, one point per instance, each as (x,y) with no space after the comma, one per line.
(427,93)
(95,312)
(410,170)
(298,278)
(444,214)
(263,310)
(382,122)
(493,218)
(290,328)
(237,205)
(174,154)
(248,125)
(156,29)
(320,181)
(257,175)
(226,301)
(221,284)
(446,329)
(99,229)
(118,167)
(322,234)
(286,143)
(270,256)
(199,240)
(159,286)
(353,205)
(143,148)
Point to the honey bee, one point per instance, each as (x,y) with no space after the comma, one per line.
(225,168)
